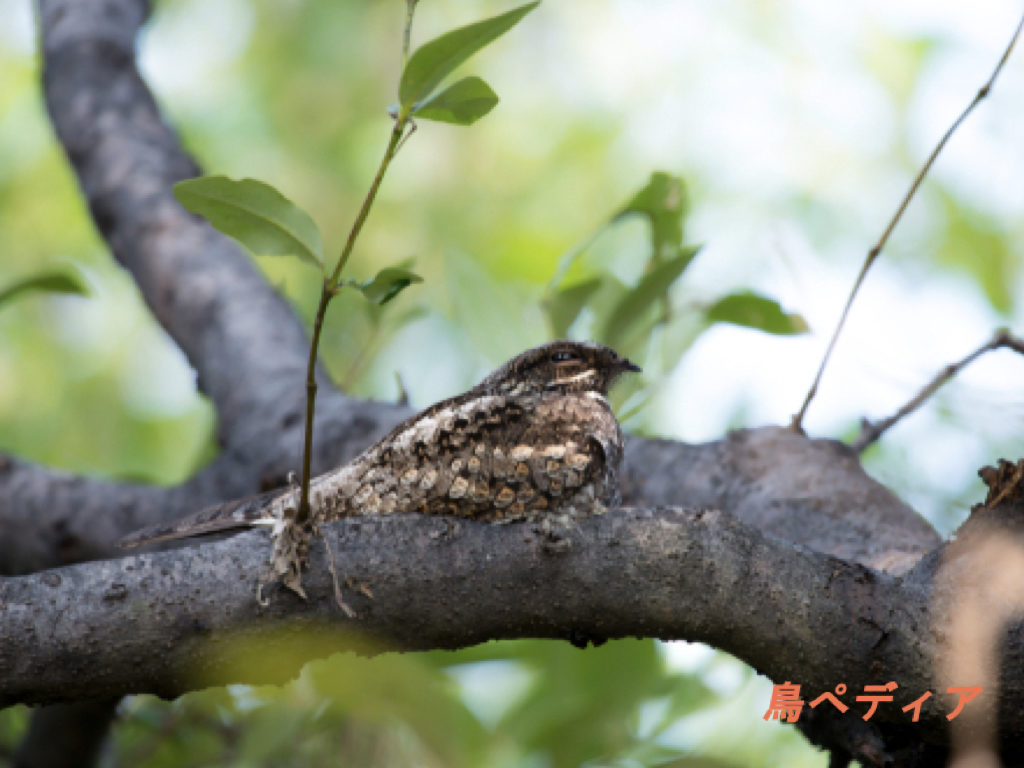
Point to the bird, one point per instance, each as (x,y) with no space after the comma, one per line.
(536,440)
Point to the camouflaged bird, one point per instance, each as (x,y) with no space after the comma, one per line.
(534,441)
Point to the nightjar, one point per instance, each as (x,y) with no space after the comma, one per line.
(535,440)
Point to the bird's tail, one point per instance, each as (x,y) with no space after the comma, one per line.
(241,513)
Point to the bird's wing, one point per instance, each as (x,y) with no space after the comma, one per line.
(488,457)
(485,457)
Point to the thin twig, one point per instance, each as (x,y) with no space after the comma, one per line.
(797,423)
(410,7)
(330,288)
(871,431)
(327,292)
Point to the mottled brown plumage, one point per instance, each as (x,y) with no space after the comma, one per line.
(535,440)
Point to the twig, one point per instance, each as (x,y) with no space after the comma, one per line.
(797,423)
(330,286)
(410,7)
(870,432)
(327,292)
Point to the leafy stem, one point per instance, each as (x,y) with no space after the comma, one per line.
(328,291)
(267,222)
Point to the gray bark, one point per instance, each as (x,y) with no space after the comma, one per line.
(179,620)
(152,622)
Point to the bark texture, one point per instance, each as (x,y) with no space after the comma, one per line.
(153,622)
(188,618)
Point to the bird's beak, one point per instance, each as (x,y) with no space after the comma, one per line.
(626,365)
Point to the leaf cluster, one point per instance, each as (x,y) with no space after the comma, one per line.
(266,222)
(646,321)
(501,703)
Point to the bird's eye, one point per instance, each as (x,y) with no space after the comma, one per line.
(562,357)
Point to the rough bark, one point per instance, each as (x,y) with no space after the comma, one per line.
(244,343)
(152,622)
(176,621)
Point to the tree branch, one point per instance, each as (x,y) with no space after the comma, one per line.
(244,341)
(176,621)
(872,430)
(876,249)
(809,492)
(48,517)
(152,622)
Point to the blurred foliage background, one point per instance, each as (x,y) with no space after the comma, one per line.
(795,126)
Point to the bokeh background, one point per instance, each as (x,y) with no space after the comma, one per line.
(796,127)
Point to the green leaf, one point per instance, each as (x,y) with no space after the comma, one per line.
(976,243)
(388,283)
(633,312)
(564,307)
(46,282)
(581,704)
(754,311)
(434,61)
(463,103)
(255,214)
(663,203)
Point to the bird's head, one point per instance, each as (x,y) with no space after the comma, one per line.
(559,366)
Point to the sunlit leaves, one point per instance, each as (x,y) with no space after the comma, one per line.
(663,203)
(583,706)
(255,214)
(46,282)
(434,61)
(462,103)
(266,222)
(754,311)
(626,320)
(651,320)
(386,284)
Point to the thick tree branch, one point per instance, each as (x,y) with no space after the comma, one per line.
(243,340)
(49,518)
(152,622)
(810,492)
(176,621)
